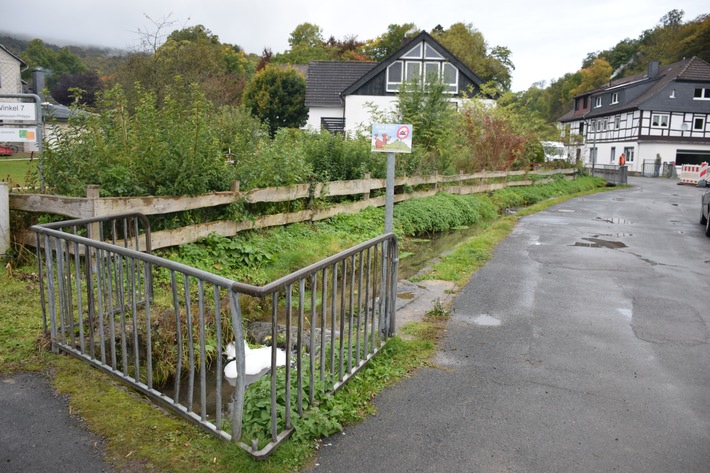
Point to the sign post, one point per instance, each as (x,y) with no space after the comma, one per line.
(390,139)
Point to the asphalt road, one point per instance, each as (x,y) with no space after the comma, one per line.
(582,346)
(37,434)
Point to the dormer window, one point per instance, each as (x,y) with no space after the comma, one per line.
(701,94)
(597,102)
(614,98)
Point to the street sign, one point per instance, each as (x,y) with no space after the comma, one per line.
(17,111)
(22,135)
(391,138)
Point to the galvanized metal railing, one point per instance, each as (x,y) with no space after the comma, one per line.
(162,326)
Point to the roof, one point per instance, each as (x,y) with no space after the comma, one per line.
(22,63)
(423,36)
(692,69)
(327,79)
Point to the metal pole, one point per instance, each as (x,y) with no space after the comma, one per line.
(389,199)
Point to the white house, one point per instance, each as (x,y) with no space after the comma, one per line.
(663,112)
(338,93)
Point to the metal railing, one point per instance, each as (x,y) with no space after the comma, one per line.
(162,326)
(611,172)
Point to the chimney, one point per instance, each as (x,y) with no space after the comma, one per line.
(652,69)
(38,81)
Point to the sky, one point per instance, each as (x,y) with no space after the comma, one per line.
(547,38)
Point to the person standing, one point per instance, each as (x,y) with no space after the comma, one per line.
(622,160)
(657,170)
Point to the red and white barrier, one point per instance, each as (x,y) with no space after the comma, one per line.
(692,173)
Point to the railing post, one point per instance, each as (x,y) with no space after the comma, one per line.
(4,218)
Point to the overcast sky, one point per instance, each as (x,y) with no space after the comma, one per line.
(548,38)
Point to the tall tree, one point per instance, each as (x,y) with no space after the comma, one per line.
(468,44)
(277,97)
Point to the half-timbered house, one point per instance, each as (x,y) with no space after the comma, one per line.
(663,114)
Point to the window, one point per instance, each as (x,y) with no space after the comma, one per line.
(659,120)
(431,72)
(617,122)
(414,53)
(597,102)
(450,76)
(612,158)
(615,98)
(629,154)
(701,94)
(414,71)
(431,53)
(394,76)
(699,124)
(581,128)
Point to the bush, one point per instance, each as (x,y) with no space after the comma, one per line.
(142,148)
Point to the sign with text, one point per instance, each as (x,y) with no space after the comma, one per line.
(17,111)
(21,135)
(391,138)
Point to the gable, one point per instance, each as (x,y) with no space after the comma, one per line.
(420,58)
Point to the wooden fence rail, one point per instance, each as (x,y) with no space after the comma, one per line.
(92,205)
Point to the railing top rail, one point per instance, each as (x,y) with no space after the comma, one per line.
(105,218)
(138,255)
(270,288)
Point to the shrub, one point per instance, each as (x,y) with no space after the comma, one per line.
(141,148)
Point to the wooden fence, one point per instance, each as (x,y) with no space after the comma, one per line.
(92,205)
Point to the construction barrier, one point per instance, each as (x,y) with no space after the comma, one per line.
(692,173)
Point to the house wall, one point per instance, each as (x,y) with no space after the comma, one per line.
(10,82)
(316,113)
(358,110)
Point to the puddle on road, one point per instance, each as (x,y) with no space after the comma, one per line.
(405,295)
(628,313)
(599,243)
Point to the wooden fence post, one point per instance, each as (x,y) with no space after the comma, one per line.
(4,218)
(92,193)
(366,195)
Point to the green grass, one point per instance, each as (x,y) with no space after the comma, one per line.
(18,172)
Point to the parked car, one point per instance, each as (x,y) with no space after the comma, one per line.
(705,212)
(5,151)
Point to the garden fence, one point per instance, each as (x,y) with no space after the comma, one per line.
(362,192)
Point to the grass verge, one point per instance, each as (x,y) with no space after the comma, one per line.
(18,172)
